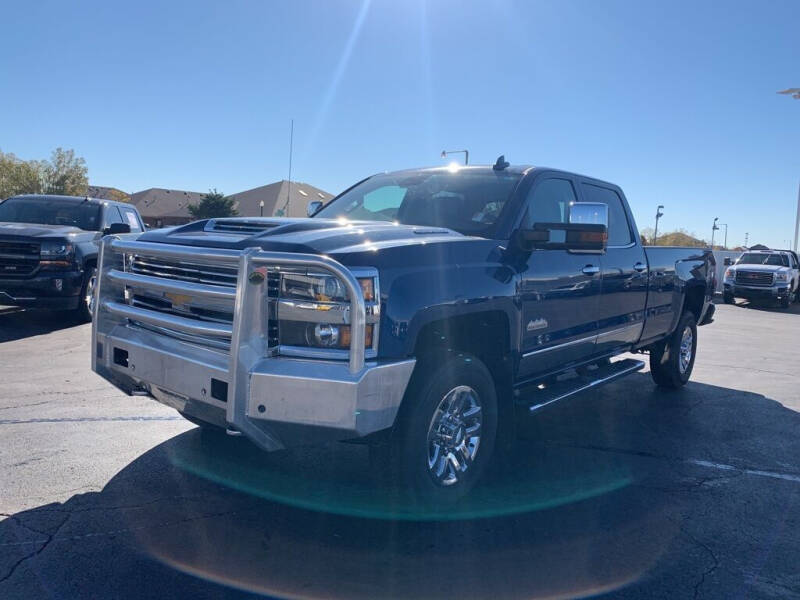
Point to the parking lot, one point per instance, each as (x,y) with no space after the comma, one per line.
(626,491)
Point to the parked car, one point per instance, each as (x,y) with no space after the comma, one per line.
(49,246)
(421,311)
(764,275)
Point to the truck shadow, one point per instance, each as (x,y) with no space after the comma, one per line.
(794,308)
(590,500)
(17,324)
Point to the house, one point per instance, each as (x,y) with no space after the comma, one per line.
(161,207)
(281,199)
(107,193)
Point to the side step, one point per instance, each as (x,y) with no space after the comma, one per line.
(549,393)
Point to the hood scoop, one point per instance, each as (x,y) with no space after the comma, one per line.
(239,226)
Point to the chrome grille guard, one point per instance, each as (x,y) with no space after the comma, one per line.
(249,330)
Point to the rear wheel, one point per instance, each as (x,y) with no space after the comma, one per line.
(672,361)
(445,433)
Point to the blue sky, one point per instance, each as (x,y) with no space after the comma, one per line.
(674,101)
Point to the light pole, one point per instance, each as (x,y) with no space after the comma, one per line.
(465,152)
(725,243)
(795,93)
(261,206)
(659,214)
(714,228)
(746,238)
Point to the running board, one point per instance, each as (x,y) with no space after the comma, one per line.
(550,393)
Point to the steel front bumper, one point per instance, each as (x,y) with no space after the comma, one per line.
(50,289)
(775,292)
(275,401)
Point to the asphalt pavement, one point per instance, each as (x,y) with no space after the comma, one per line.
(626,491)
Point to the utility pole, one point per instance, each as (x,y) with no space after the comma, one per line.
(746,237)
(659,214)
(725,244)
(795,93)
(714,228)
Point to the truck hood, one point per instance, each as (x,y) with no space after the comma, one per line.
(37,230)
(766,268)
(314,236)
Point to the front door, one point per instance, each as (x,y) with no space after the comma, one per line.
(559,290)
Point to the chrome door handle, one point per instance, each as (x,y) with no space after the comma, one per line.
(640,267)
(590,270)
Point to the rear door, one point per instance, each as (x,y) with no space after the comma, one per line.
(623,294)
(559,290)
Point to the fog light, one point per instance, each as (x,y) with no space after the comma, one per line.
(326,335)
(59,283)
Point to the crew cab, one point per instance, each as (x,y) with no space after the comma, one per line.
(763,275)
(422,312)
(49,246)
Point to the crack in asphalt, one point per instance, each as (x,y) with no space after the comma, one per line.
(708,571)
(25,405)
(45,544)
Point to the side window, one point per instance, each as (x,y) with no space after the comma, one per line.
(619,230)
(131,218)
(548,202)
(111,216)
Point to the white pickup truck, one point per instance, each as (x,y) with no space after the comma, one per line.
(764,275)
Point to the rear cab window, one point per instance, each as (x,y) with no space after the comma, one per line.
(619,228)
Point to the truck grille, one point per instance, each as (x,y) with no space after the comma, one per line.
(755,278)
(18,259)
(186,306)
(181,271)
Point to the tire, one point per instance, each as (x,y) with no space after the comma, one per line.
(728,298)
(445,432)
(85,308)
(669,366)
(786,301)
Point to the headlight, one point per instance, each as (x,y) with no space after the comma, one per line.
(781,277)
(730,273)
(313,311)
(56,253)
(321,288)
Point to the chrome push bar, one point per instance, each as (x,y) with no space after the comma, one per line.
(249,296)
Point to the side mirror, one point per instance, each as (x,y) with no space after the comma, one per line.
(117,228)
(587,231)
(313,207)
(728,261)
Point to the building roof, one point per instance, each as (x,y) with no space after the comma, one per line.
(277,197)
(107,193)
(161,202)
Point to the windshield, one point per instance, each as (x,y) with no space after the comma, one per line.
(469,203)
(752,258)
(51,211)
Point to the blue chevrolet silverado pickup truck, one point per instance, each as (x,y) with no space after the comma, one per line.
(422,312)
(49,246)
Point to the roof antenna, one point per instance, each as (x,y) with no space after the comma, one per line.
(501,163)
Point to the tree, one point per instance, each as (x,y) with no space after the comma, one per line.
(65,174)
(19,176)
(213,205)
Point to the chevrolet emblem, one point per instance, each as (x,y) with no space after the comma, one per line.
(178,300)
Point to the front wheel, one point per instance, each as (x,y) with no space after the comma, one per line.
(672,361)
(727,298)
(445,432)
(787,300)
(85,309)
